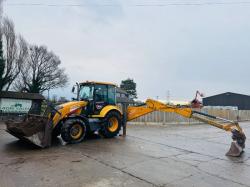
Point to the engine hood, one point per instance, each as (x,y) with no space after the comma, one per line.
(67,109)
(73,104)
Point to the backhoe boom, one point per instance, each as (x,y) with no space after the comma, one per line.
(238,135)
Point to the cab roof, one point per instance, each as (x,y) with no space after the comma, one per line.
(96,82)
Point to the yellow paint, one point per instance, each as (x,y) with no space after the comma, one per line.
(156,105)
(96,82)
(134,112)
(113,124)
(76,131)
(224,126)
(68,108)
(105,110)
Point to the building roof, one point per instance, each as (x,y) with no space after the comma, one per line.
(21,95)
(228,94)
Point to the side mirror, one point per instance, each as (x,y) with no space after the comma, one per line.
(73,89)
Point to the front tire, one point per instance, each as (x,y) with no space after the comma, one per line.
(73,130)
(112,125)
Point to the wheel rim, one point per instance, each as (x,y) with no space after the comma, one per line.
(113,124)
(76,131)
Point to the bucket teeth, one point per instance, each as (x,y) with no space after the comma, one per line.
(235,150)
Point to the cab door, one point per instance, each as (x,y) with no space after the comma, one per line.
(101,98)
(104,95)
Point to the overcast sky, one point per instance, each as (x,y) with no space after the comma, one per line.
(162,46)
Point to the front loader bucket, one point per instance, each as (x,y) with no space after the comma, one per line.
(34,129)
(238,144)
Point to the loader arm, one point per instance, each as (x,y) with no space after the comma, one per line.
(151,105)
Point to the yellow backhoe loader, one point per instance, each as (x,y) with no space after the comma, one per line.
(104,108)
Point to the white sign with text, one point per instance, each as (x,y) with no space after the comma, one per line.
(15,105)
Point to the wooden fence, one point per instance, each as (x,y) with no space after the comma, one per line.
(172,118)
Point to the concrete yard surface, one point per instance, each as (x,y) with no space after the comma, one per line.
(182,155)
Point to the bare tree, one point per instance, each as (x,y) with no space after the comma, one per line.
(1,8)
(41,71)
(14,54)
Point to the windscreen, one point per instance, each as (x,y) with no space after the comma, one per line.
(86,92)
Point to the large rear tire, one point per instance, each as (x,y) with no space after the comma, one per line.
(73,130)
(112,125)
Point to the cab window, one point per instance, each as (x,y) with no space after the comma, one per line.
(86,92)
(111,95)
(101,93)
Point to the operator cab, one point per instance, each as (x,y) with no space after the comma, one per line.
(98,95)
